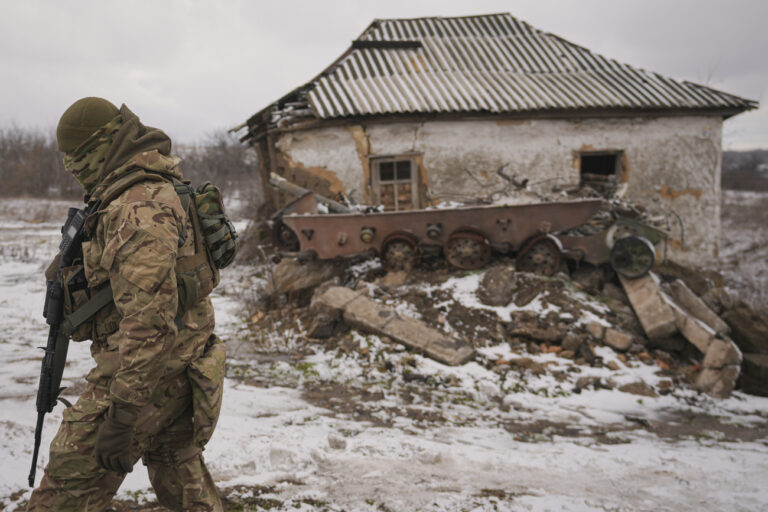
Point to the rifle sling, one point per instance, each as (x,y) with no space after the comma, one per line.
(101,299)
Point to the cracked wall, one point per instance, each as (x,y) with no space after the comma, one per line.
(669,163)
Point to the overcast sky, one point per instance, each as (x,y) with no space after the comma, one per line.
(193,67)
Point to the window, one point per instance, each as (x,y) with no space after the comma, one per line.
(600,171)
(395,184)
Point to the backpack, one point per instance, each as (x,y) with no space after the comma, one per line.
(196,275)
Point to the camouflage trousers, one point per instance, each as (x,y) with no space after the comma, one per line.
(74,482)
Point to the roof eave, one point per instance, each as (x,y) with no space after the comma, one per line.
(725,113)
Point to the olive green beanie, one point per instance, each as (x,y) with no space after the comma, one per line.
(81,119)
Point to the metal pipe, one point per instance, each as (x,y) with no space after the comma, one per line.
(290,188)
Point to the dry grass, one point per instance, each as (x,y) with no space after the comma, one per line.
(744,251)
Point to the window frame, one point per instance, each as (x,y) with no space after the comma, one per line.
(413,181)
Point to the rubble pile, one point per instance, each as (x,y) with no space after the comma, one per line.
(691,339)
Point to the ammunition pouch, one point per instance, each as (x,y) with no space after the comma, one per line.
(206,377)
(218,231)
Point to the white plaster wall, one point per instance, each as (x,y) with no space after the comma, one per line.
(673,162)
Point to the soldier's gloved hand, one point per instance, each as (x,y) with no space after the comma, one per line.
(114,438)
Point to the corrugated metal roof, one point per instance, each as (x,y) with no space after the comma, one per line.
(492,63)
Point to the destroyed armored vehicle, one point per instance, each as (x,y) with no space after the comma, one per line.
(538,235)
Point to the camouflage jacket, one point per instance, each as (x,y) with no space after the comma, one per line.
(133,245)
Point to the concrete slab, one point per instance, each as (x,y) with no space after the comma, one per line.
(693,329)
(718,382)
(651,308)
(336,297)
(695,306)
(366,314)
(722,353)
(416,334)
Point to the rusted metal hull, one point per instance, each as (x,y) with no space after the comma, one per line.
(329,236)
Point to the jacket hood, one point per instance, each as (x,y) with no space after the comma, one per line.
(133,138)
(133,145)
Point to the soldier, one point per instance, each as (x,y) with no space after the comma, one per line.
(158,363)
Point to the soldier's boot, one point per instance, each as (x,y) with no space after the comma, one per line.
(177,470)
(183,485)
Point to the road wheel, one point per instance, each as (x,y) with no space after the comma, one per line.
(467,250)
(399,254)
(540,255)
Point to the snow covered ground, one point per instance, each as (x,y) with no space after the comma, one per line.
(376,428)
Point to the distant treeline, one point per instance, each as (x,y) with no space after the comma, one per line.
(745,170)
(30,165)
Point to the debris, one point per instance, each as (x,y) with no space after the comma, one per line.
(639,388)
(617,339)
(326,324)
(545,314)
(393,278)
(694,305)
(498,286)
(749,328)
(502,285)
(596,329)
(292,276)
(718,382)
(754,376)
(649,304)
(589,277)
(614,292)
(530,325)
(718,300)
(699,280)
(694,330)
(370,316)
(572,341)
(586,382)
(722,353)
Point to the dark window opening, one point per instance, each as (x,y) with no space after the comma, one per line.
(600,171)
(604,165)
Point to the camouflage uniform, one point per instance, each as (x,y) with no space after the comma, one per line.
(142,357)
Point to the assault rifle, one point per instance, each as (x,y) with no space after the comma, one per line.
(58,341)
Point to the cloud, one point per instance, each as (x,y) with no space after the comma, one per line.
(193,67)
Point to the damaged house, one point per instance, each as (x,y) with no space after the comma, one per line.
(424,111)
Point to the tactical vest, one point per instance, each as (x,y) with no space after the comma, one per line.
(90,313)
